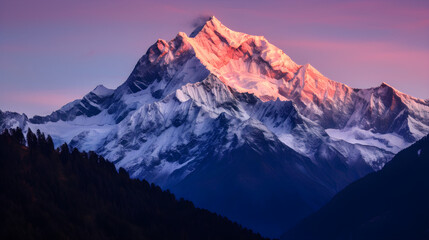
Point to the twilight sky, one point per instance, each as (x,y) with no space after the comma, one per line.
(52,52)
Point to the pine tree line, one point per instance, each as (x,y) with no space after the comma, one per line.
(48,193)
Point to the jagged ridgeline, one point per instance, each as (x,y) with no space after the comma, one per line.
(58,194)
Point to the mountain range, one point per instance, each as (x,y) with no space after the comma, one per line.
(232,123)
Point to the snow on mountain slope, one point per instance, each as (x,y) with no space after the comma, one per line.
(94,129)
(311,140)
(390,142)
(159,132)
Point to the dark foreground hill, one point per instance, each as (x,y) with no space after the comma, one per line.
(390,204)
(55,194)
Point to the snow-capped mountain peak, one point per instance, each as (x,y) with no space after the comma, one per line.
(245,62)
(221,109)
(249,64)
(102,91)
(214,27)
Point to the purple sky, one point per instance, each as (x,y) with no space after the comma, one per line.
(52,52)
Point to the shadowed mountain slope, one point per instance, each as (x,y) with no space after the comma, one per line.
(392,203)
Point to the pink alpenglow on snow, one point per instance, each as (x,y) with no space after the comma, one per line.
(54,46)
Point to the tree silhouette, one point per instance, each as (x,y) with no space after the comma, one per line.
(58,194)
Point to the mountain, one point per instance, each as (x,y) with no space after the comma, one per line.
(52,194)
(10,120)
(229,121)
(392,203)
(90,105)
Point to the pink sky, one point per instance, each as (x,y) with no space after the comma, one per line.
(52,52)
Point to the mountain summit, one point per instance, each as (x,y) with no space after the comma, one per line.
(229,121)
(245,62)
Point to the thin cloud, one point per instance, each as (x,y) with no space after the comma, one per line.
(200,20)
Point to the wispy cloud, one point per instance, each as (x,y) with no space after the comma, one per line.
(200,20)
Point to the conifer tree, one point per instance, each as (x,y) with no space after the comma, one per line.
(31,139)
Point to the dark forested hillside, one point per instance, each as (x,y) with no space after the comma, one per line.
(390,204)
(58,194)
